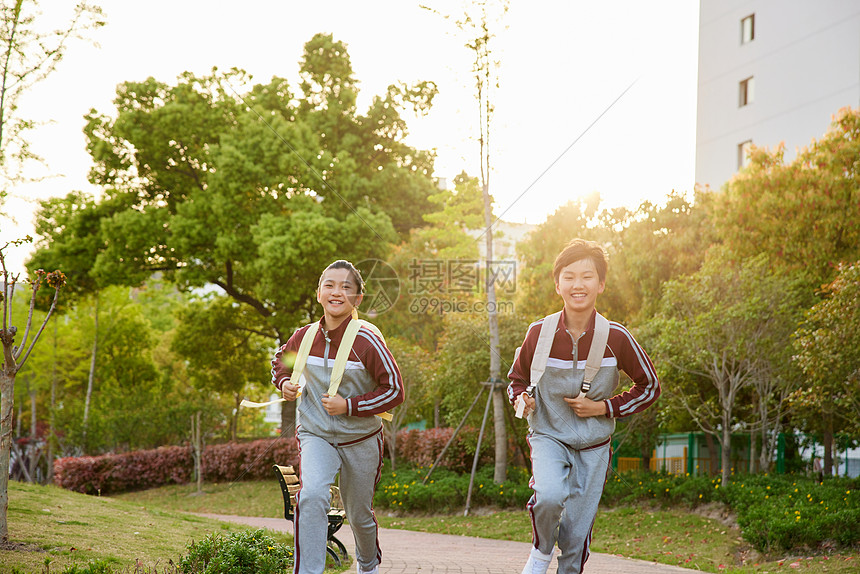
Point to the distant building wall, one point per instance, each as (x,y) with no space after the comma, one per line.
(803,60)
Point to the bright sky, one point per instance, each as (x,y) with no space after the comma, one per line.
(562,64)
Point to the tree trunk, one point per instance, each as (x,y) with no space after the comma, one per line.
(500,473)
(234,423)
(753,444)
(726,458)
(7,394)
(51,436)
(33,459)
(92,374)
(827,443)
(197,445)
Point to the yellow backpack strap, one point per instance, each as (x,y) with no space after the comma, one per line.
(342,356)
(304,352)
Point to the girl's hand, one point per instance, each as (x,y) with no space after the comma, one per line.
(289,391)
(585,407)
(335,405)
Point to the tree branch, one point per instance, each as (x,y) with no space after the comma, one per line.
(42,328)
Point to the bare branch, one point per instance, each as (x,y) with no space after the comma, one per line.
(42,328)
(36,284)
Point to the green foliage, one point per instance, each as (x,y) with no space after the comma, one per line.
(446,491)
(827,349)
(780,513)
(96,567)
(720,336)
(253,193)
(802,214)
(237,553)
(775,512)
(463,360)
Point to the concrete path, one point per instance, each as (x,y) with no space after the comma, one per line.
(406,552)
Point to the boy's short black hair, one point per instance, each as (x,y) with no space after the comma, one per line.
(579,249)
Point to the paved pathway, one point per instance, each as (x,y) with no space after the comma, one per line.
(406,552)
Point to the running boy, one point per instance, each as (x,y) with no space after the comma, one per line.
(570,432)
(338,433)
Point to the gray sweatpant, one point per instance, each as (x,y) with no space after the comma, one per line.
(567,486)
(360,465)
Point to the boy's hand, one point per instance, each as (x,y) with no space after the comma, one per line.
(289,391)
(335,405)
(528,402)
(585,407)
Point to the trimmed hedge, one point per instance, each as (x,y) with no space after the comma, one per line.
(421,447)
(142,469)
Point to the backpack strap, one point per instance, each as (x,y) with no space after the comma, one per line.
(595,353)
(340,359)
(298,367)
(342,356)
(304,352)
(543,347)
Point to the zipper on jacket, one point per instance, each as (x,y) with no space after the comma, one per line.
(325,366)
(575,353)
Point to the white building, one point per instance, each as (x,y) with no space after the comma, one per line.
(771,71)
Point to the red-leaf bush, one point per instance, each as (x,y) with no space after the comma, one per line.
(144,469)
(421,447)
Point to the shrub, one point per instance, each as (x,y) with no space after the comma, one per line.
(143,469)
(237,553)
(446,491)
(784,512)
(421,447)
(97,567)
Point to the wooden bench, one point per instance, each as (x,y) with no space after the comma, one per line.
(290,487)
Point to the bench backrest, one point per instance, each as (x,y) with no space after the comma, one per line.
(290,486)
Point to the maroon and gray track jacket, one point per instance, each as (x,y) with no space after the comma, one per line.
(371,383)
(563,377)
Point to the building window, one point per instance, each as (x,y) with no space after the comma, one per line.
(748,29)
(746,92)
(744,154)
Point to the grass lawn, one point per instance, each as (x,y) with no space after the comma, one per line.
(152,526)
(58,528)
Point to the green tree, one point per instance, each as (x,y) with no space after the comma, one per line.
(253,193)
(223,355)
(804,213)
(654,244)
(827,348)
(718,331)
(443,239)
(416,368)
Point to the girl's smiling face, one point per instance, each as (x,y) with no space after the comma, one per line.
(338,294)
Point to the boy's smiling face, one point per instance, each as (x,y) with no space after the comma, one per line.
(579,285)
